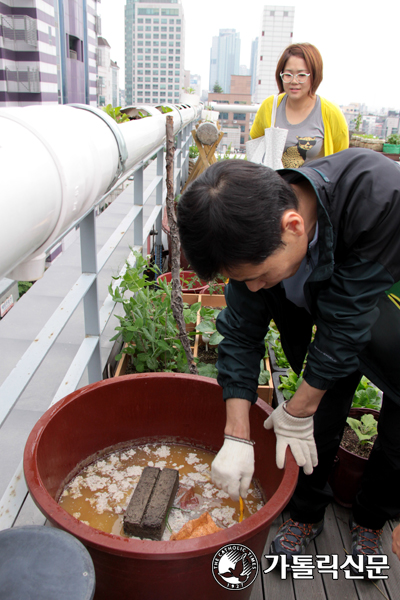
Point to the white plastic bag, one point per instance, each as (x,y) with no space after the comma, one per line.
(268,149)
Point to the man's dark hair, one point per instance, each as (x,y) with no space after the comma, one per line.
(231,215)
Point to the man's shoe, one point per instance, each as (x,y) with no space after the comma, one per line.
(293,538)
(364,542)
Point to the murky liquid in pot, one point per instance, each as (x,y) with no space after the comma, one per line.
(100,493)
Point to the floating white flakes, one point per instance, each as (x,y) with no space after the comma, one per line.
(224,515)
(163,451)
(160,464)
(222,494)
(192,458)
(134,471)
(94,482)
(76,515)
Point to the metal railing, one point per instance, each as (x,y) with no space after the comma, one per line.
(85,290)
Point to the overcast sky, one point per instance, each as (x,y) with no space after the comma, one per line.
(359,41)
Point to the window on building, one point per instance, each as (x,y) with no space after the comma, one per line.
(171,36)
(140,21)
(242,139)
(178,21)
(148,27)
(156,37)
(239,117)
(162,86)
(164,21)
(147,86)
(162,79)
(147,72)
(259,82)
(156,21)
(140,86)
(171,29)
(261,57)
(242,128)
(178,44)
(155,86)
(285,13)
(177,51)
(163,36)
(140,71)
(147,20)
(155,66)
(147,93)
(170,87)
(177,80)
(140,78)
(271,13)
(223,115)
(176,87)
(177,28)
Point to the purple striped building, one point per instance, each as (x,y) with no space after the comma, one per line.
(48,52)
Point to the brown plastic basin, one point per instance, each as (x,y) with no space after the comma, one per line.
(187,408)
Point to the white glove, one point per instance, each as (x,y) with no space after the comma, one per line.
(296,432)
(233,467)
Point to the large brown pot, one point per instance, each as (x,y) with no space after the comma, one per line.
(188,409)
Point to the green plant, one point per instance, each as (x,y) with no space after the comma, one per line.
(217,89)
(394,138)
(290,384)
(164,109)
(189,90)
(148,326)
(366,396)
(207,326)
(280,356)
(264,376)
(115,113)
(23,287)
(365,428)
(193,151)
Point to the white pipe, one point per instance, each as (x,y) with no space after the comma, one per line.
(56,162)
(237,108)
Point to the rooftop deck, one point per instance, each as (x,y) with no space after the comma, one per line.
(20,328)
(335,539)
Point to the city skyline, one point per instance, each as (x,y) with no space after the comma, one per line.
(358,46)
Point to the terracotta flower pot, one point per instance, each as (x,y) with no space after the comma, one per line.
(186,276)
(185,408)
(348,469)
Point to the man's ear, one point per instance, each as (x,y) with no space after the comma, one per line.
(292,223)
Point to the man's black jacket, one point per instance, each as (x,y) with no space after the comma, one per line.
(358,197)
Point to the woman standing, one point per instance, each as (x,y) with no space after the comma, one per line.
(316,127)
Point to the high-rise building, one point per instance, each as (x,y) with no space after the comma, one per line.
(276,34)
(253,64)
(48,52)
(224,59)
(154,51)
(104,83)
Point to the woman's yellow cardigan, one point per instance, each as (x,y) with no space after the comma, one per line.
(336,133)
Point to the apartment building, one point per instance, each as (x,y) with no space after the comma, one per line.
(275,35)
(48,52)
(224,58)
(236,126)
(154,51)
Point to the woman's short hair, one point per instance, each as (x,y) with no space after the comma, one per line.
(231,215)
(313,59)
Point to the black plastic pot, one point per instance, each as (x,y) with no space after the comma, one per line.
(348,468)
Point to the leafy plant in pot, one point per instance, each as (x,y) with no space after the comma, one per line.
(350,462)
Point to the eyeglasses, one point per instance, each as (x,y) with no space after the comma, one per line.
(299,77)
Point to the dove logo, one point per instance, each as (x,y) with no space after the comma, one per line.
(235,567)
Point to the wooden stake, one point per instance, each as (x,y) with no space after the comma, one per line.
(176,297)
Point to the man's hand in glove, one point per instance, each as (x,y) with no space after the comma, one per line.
(233,467)
(296,432)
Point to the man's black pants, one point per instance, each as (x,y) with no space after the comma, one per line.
(379,498)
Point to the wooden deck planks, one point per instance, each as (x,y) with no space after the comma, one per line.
(335,539)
